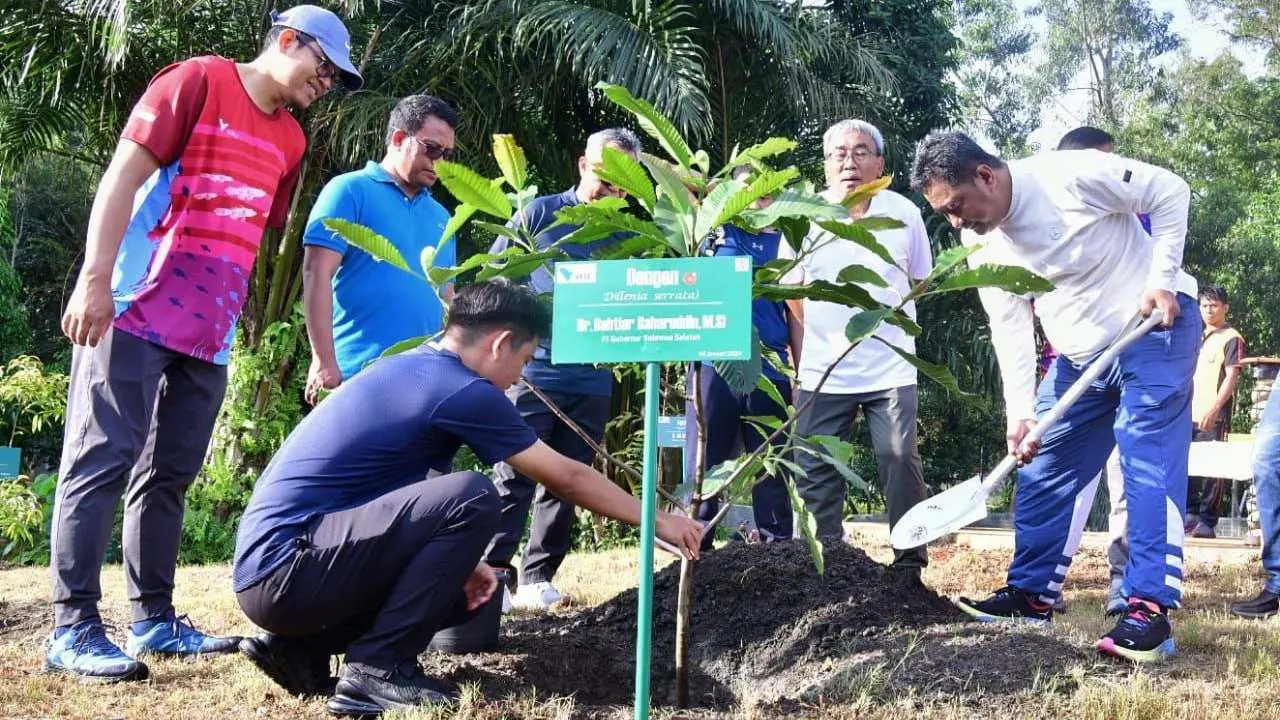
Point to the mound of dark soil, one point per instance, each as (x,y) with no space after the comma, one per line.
(763,620)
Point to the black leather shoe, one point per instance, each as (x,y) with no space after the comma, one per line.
(362,694)
(1261,607)
(291,663)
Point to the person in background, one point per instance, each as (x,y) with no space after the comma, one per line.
(873,378)
(581,391)
(725,412)
(1071,217)
(1216,377)
(1266,479)
(207,161)
(355,306)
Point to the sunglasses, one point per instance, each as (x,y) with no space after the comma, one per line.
(432,150)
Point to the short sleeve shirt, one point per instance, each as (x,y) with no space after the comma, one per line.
(871,366)
(227,170)
(376,305)
(394,422)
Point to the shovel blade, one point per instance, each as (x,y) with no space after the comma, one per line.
(940,515)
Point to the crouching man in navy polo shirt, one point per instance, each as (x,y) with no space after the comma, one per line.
(347,546)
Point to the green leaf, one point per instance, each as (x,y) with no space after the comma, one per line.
(765,184)
(765,385)
(865,323)
(794,231)
(861,274)
(760,151)
(856,234)
(624,171)
(405,345)
(794,203)
(742,375)
(948,259)
(848,294)
(730,475)
(669,180)
(511,160)
(520,266)
(461,215)
(598,221)
(472,188)
(1010,278)
(880,222)
(937,373)
(808,525)
(901,320)
(496,229)
(838,454)
(865,191)
(377,246)
(651,121)
(712,205)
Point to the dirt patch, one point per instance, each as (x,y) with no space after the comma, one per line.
(22,618)
(769,630)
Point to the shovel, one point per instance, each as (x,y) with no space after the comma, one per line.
(966,503)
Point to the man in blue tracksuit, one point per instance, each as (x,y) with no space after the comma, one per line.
(725,412)
(1072,217)
(581,391)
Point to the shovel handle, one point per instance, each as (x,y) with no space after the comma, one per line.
(1078,388)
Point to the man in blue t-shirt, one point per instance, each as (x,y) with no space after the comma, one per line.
(726,413)
(581,391)
(352,543)
(355,306)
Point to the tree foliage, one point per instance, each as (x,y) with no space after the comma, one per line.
(994,75)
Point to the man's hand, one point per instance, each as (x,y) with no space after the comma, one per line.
(682,532)
(480,585)
(1162,300)
(89,312)
(321,376)
(1017,432)
(1208,422)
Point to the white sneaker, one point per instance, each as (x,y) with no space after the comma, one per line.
(538,596)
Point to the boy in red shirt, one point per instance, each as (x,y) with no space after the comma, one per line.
(207,161)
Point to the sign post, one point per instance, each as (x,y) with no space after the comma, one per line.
(651,311)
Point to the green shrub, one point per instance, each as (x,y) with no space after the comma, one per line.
(26,507)
(33,402)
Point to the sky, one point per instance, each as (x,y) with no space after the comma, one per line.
(1203,39)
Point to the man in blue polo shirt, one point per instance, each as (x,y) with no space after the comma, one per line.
(352,544)
(581,391)
(355,306)
(725,413)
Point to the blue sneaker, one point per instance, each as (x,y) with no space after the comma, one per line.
(174,635)
(84,652)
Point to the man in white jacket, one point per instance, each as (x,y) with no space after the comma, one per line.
(1072,217)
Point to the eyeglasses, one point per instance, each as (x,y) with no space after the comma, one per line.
(325,69)
(433,150)
(859,154)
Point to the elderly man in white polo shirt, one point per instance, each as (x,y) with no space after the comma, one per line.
(872,378)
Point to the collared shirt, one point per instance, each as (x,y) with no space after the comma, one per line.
(769,316)
(376,305)
(538,219)
(871,366)
(1074,220)
(389,427)
(227,170)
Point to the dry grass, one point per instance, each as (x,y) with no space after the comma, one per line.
(1227,668)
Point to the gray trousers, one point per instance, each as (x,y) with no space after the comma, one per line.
(891,418)
(1118,520)
(551,533)
(139,419)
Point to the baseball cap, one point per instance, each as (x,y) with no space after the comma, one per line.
(329,32)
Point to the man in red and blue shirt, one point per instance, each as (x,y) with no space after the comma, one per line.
(207,161)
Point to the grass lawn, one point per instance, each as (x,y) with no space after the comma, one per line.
(1227,668)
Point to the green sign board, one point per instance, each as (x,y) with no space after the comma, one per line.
(652,310)
(10,462)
